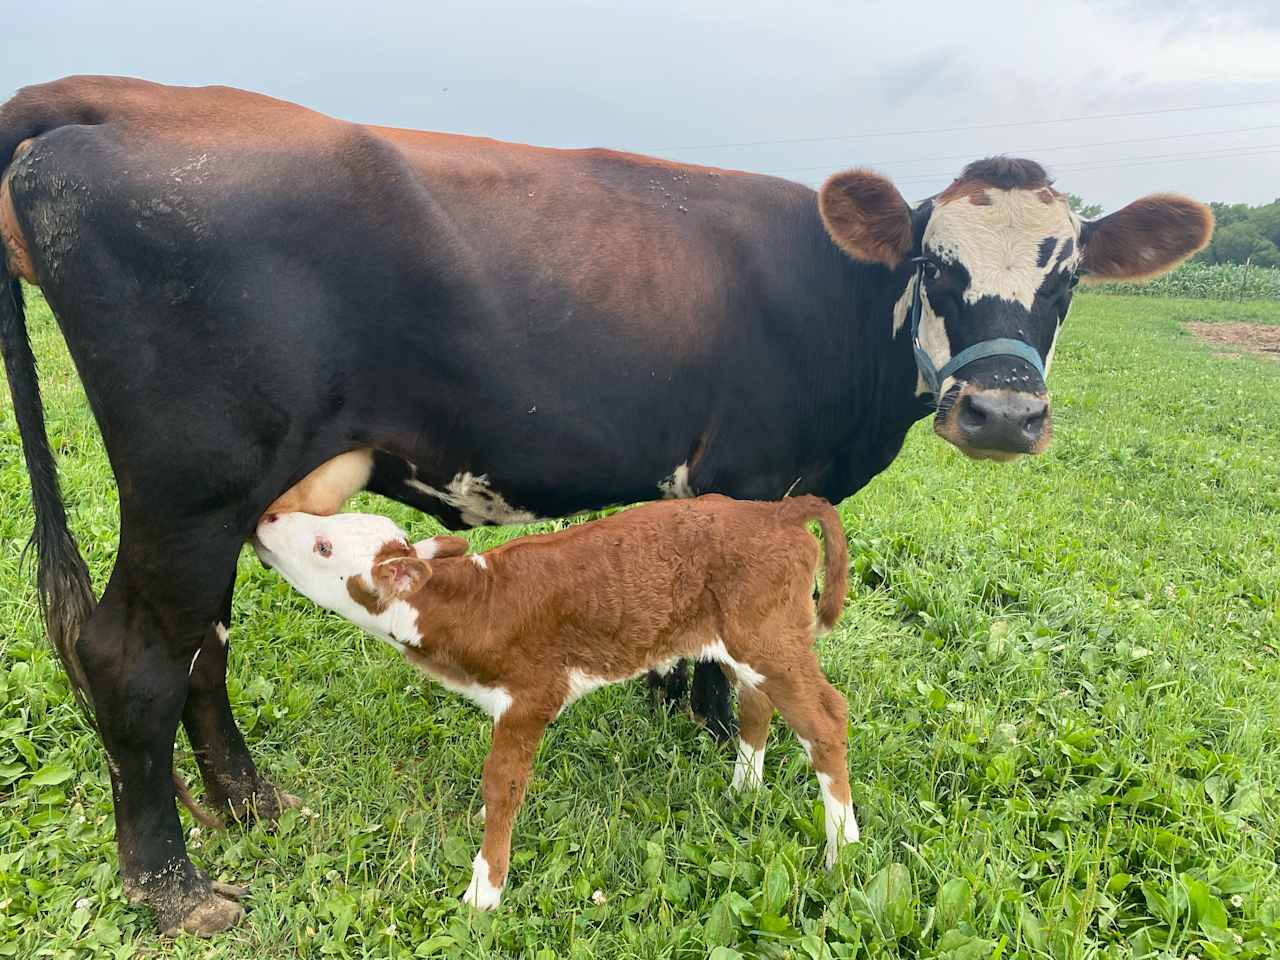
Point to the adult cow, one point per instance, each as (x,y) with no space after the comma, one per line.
(249,288)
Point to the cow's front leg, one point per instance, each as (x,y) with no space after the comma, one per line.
(506,774)
(232,783)
(136,649)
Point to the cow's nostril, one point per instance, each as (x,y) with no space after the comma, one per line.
(972,415)
(270,518)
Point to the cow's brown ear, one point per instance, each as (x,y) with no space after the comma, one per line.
(401,576)
(866,217)
(442,546)
(1149,237)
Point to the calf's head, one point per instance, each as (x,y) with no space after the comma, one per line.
(355,564)
(995,258)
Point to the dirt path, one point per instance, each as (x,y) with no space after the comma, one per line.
(1236,338)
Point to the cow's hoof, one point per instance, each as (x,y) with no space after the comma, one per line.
(259,800)
(209,916)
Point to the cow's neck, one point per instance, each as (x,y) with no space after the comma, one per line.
(882,400)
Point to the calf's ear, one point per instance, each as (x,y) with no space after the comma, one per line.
(401,576)
(443,546)
(1149,237)
(866,217)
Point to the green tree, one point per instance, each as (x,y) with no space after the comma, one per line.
(1241,241)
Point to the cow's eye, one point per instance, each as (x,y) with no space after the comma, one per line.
(324,548)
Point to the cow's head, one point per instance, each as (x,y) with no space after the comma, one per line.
(996,257)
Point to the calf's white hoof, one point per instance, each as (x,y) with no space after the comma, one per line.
(481,894)
(748,769)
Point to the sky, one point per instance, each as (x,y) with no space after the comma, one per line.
(1144,95)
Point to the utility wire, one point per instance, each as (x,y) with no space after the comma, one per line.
(1109,165)
(1030,151)
(975,126)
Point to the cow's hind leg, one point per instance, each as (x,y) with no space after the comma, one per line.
(137,650)
(710,699)
(231,781)
(819,716)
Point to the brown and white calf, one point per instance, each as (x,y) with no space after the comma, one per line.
(527,628)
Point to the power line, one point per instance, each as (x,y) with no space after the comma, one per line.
(1032,151)
(1091,165)
(976,126)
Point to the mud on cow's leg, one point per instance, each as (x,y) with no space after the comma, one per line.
(136,650)
(232,783)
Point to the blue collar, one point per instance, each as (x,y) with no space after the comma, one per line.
(997,347)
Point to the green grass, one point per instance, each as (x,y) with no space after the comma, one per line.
(1063,676)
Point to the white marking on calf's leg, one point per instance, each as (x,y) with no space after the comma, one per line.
(481,894)
(676,486)
(196,656)
(221,630)
(841,824)
(748,769)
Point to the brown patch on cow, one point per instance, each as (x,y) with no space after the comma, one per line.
(866,217)
(1149,237)
(17,256)
(975,191)
(999,173)
(1236,339)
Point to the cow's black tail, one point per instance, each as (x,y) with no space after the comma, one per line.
(62,579)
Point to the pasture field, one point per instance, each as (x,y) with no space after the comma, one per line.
(1064,681)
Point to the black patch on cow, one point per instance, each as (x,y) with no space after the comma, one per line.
(1046,251)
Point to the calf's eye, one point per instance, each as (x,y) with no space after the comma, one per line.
(324,548)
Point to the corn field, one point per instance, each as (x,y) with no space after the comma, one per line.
(1205,281)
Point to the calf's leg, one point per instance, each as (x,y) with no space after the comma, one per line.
(819,715)
(231,781)
(506,774)
(755,713)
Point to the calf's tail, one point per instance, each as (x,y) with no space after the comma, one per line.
(836,571)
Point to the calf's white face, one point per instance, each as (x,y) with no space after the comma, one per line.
(341,563)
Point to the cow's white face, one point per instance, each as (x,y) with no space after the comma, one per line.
(1001,252)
